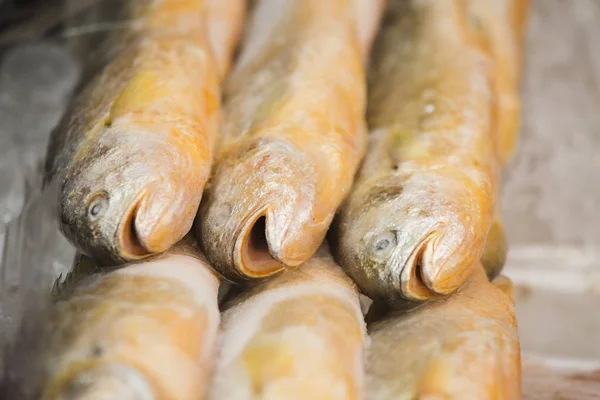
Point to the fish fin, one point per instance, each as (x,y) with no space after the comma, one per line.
(496,249)
(83,267)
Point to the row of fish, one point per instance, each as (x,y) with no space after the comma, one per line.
(414,186)
(151,331)
(135,152)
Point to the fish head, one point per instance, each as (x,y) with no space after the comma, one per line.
(122,203)
(408,237)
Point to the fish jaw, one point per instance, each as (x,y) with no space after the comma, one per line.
(258,216)
(408,237)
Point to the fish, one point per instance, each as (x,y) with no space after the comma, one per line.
(465,346)
(146,330)
(293,135)
(501,26)
(297,335)
(135,147)
(424,200)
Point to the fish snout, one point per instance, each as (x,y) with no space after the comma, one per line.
(108,382)
(160,216)
(258,214)
(434,267)
(418,261)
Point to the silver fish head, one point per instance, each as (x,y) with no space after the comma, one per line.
(408,237)
(124,201)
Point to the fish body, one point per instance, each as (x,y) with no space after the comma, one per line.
(293,134)
(463,347)
(144,331)
(134,150)
(297,336)
(501,26)
(423,203)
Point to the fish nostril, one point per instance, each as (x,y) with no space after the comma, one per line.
(97,206)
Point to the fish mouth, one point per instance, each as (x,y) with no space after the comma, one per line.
(252,254)
(130,244)
(426,275)
(413,281)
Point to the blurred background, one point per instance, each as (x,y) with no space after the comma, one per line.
(551,193)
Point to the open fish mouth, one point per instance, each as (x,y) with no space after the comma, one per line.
(429,273)
(415,283)
(131,244)
(252,253)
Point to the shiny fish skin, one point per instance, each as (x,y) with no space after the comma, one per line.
(294,134)
(465,347)
(145,331)
(135,148)
(423,203)
(297,336)
(501,25)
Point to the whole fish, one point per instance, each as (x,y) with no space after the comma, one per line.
(297,336)
(419,214)
(134,150)
(294,134)
(465,347)
(144,331)
(501,26)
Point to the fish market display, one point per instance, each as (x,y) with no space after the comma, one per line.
(135,149)
(423,203)
(294,134)
(464,347)
(145,331)
(297,336)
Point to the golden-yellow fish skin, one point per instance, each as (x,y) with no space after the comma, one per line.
(146,331)
(501,25)
(294,134)
(135,148)
(297,336)
(464,347)
(420,211)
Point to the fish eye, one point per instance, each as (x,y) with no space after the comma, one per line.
(383,244)
(97,206)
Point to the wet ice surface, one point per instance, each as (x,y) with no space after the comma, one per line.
(35,83)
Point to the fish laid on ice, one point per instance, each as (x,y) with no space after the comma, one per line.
(298,336)
(419,214)
(145,331)
(464,347)
(135,148)
(294,134)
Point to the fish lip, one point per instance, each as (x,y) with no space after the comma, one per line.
(408,269)
(129,246)
(247,226)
